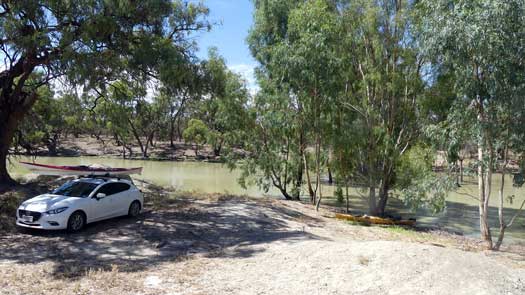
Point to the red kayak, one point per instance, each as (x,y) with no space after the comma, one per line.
(79,170)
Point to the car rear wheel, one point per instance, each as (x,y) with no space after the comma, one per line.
(76,221)
(134,209)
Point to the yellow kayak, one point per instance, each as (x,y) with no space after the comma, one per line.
(375,220)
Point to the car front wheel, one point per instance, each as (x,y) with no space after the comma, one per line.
(134,209)
(76,221)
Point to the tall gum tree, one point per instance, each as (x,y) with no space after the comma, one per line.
(482,41)
(89,42)
(381,86)
(275,141)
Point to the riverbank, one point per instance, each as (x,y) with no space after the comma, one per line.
(188,243)
(88,146)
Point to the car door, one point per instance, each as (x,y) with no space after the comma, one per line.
(121,198)
(105,207)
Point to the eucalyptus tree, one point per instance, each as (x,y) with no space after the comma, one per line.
(91,42)
(309,61)
(222,105)
(294,42)
(483,42)
(129,109)
(274,141)
(381,87)
(197,133)
(177,97)
(270,141)
(341,80)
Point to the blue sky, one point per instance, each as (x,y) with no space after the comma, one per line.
(234,19)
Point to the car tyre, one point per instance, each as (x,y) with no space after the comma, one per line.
(76,222)
(134,209)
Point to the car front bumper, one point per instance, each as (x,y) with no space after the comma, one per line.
(46,221)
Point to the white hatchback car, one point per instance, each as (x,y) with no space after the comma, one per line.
(79,202)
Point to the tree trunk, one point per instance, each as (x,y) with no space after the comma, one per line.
(483,199)
(383,198)
(217,148)
(461,171)
(308,180)
(151,137)
(372,201)
(15,102)
(6,136)
(502,224)
(10,116)
(458,173)
(300,168)
(319,199)
(285,194)
(347,200)
(143,147)
(172,131)
(298,182)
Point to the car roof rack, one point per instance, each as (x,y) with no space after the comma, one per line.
(105,177)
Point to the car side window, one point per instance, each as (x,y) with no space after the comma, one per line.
(105,189)
(113,188)
(120,187)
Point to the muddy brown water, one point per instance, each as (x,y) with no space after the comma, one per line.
(461,214)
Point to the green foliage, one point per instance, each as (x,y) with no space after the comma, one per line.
(415,163)
(223,106)
(91,44)
(485,55)
(196,132)
(419,187)
(333,79)
(339,195)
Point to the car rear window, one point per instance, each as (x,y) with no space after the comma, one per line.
(77,189)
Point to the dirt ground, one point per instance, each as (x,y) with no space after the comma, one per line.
(234,245)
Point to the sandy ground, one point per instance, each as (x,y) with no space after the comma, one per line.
(231,245)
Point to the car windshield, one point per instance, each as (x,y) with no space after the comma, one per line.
(77,189)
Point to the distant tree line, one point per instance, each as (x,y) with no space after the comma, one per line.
(205,104)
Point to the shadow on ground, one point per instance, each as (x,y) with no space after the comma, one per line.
(185,227)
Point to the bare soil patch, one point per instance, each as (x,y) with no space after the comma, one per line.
(235,245)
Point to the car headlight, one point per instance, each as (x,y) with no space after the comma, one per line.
(57,210)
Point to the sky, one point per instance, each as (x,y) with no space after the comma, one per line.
(233,20)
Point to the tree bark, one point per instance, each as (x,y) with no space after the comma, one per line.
(461,171)
(143,148)
(484,194)
(502,224)
(383,198)
(172,135)
(308,180)
(372,201)
(347,199)
(6,136)
(298,182)
(14,104)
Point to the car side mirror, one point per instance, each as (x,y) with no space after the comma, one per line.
(100,196)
